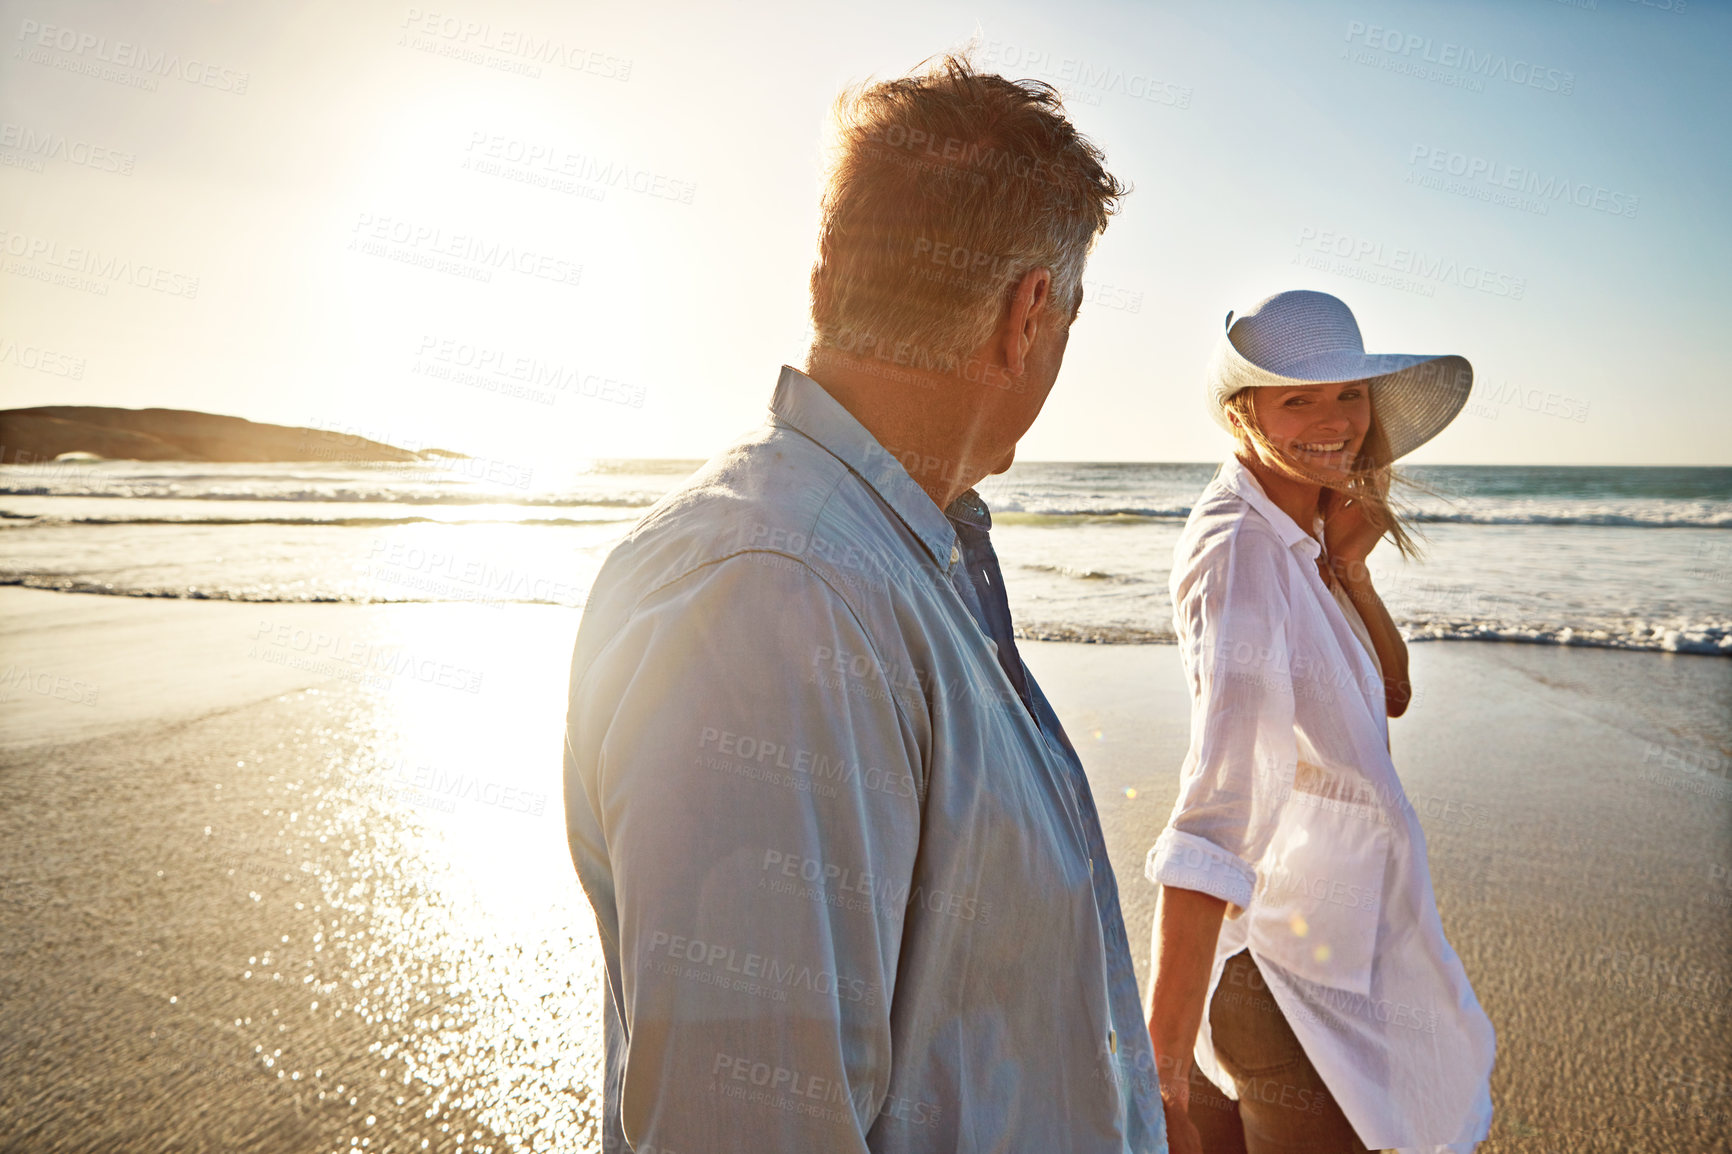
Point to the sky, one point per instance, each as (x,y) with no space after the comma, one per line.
(293,212)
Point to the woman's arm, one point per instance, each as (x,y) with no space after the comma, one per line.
(1348,540)
(1230,611)
(1186,925)
(1355,578)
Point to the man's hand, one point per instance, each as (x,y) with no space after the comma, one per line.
(1182,1136)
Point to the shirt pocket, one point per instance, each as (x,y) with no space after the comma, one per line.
(1320,891)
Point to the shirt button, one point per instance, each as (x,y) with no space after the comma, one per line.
(955,554)
(1091,867)
(1113,1041)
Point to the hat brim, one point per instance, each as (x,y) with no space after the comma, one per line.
(1415,395)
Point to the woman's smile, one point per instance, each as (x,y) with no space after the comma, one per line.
(1319,426)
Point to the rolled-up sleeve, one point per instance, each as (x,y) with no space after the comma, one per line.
(1230,609)
(745,796)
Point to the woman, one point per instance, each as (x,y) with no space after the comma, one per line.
(1296,904)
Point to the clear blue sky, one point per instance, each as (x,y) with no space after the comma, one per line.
(1271,146)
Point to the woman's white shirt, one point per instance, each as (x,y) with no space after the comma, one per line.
(1356,622)
(1290,810)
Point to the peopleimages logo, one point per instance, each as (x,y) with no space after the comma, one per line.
(464,254)
(46,145)
(512,49)
(1413,263)
(549,165)
(495,370)
(1528,189)
(88,53)
(1086,80)
(88,269)
(41,360)
(1447,55)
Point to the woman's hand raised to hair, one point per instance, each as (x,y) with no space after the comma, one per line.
(1349,536)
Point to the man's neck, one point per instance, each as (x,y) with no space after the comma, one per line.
(908,417)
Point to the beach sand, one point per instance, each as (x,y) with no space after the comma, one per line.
(258,896)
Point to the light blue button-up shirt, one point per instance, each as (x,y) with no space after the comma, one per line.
(848,875)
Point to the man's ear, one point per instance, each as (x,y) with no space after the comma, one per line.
(1030,312)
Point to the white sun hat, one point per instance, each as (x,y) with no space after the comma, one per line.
(1308,338)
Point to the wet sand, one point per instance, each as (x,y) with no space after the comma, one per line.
(259,895)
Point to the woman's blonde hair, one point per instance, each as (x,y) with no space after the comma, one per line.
(1368,481)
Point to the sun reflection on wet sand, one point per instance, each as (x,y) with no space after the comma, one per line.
(456,931)
(308,905)
(439,985)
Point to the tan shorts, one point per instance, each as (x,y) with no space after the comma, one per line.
(1283,1107)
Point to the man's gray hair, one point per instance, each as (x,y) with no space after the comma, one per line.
(945,188)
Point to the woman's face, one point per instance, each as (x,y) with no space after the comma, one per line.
(1318,427)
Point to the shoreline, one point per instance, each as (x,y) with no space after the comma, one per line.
(1673,643)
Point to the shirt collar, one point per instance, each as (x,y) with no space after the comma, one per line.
(971,511)
(802,403)
(1235,476)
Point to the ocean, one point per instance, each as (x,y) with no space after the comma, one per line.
(1619,557)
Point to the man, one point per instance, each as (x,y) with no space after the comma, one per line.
(849,879)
